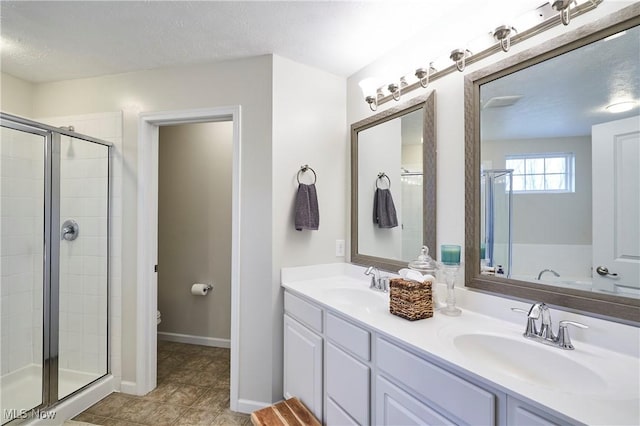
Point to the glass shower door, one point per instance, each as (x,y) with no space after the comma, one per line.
(22,271)
(83,232)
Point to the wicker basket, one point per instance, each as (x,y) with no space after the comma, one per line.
(411,300)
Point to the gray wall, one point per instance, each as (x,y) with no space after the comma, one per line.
(194,228)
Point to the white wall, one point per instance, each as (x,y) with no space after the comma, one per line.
(309,127)
(449,114)
(194,229)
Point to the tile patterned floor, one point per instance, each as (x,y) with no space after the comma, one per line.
(193,389)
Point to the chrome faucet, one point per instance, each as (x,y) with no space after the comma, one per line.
(555,274)
(540,311)
(377,282)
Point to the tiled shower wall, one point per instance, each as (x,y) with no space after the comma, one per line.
(21,219)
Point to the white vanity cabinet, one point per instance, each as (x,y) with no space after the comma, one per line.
(303,353)
(347,373)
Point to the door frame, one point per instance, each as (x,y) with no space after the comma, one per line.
(147,252)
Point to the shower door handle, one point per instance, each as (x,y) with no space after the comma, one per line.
(70,230)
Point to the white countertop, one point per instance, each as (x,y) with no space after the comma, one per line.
(608,395)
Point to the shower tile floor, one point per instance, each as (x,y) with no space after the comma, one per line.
(193,389)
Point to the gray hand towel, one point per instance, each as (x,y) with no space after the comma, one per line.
(384,211)
(307,213)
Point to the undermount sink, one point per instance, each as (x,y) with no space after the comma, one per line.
(531,361)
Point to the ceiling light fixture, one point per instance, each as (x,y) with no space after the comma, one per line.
(423,74)
(562,6)
(529,25)
(371,92)
(620,107)
(502,34)
(459,56)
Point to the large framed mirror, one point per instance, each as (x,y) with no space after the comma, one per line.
(393,184)
(553,171)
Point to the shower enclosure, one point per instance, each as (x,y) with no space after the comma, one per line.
(411,185)
(54,270)
(496,245)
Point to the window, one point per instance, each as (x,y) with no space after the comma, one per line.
(547,172)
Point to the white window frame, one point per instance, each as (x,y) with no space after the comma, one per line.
(569,174)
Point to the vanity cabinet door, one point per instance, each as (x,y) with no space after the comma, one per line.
(522,414)
(348,384)
(393,406)
(303,365)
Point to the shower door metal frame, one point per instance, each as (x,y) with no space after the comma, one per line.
(490,176)
(51,250)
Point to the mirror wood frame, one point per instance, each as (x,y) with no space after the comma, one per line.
(617,308)
(425,102)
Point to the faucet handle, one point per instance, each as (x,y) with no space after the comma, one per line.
(565,323)
(531,330)
(564,341)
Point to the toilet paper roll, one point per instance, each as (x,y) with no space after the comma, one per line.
(199,289)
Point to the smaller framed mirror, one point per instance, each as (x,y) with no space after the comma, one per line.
(393,184)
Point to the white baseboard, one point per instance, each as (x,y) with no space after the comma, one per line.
(130,388)
(247,406)
(194,340)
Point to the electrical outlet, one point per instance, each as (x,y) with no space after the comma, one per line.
(339,248)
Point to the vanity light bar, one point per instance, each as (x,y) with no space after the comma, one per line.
(584,6)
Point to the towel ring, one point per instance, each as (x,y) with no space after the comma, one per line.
(383,175)
(306,168)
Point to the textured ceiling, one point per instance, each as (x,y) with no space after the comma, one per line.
(57,40)
(568,94)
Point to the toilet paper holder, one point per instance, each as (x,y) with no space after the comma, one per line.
(200,289)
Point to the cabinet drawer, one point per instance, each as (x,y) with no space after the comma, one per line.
(310,315)
(519,413)
(466,401)
(396,407)
(349,336)
(348,383)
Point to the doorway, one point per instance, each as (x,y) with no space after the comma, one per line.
(194,233)
(147,289)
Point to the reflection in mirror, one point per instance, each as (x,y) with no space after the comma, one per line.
(393,184)
(556,199)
